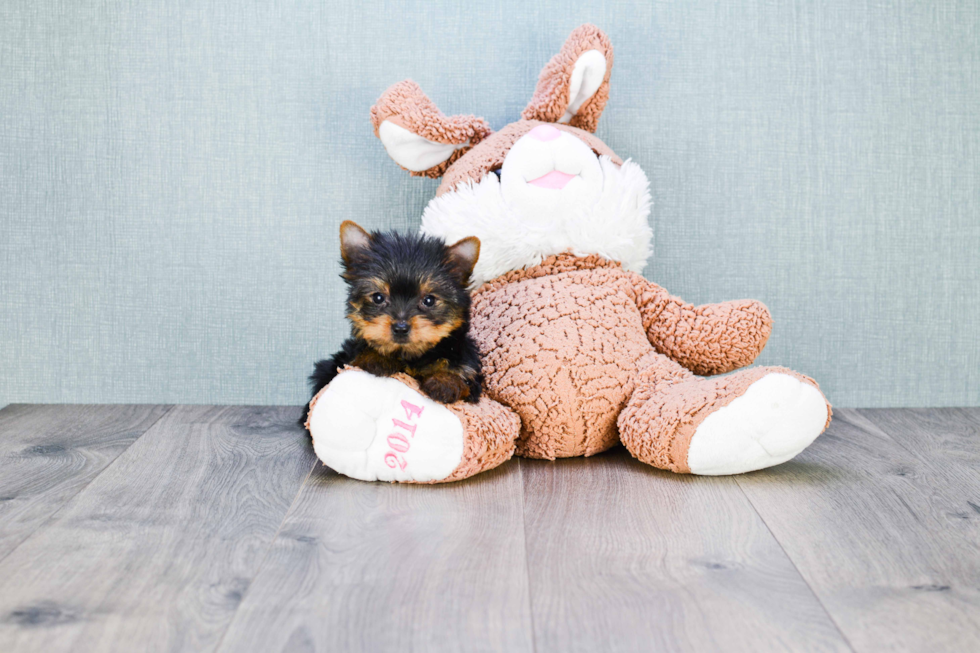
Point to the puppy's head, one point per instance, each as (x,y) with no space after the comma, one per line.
(406,292)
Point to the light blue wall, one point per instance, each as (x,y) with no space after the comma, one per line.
(172,175)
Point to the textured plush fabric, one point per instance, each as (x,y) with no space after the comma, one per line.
(666,409)
(490,431)
(173,175)
(551,95)
(407,106)
(561,348)
(489,154)
(567,343)
(614,226)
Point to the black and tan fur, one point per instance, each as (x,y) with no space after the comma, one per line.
(409,310)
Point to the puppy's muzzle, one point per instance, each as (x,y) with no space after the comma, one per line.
(400,329)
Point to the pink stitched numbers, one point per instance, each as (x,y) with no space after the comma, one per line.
(399,442)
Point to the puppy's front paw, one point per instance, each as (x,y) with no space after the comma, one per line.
(374,363)
(445,388)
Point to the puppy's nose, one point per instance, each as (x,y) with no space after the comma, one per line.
(544,133)
(399,328)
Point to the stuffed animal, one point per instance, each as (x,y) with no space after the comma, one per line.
(580,352)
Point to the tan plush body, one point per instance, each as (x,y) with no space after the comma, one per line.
(566,345)
(579,351)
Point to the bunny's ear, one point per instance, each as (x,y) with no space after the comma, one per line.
(417,135)
(574,86)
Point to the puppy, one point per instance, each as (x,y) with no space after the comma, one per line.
(409,310)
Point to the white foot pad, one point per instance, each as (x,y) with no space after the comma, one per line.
(777,418)
(378,429)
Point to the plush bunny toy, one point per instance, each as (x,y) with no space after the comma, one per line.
(579,351)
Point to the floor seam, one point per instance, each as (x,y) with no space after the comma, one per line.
(813,592)
(268,552)
(872,424)
(527,558)
(868,424)
(84,487)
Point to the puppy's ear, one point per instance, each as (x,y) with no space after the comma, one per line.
(353,239)
(574,85)
(464,256)
(419,137)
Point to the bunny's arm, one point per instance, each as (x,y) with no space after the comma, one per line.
(707,339)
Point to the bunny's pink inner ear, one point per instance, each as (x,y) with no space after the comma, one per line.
(419,137)
(574,86)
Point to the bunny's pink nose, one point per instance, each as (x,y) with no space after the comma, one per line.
(544,133)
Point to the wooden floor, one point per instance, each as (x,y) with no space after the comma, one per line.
(201,528)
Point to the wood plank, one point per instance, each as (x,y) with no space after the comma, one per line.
(625,557)
(48,453)
(378,567)
(948,438)
(888,542)
(156,553)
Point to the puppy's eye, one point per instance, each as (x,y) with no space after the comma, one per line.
(378,298)
(497,171)
(428,301)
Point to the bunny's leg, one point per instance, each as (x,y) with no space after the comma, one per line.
(749,420)
(382,429)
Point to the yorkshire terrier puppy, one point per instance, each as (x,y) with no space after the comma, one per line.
(409,310)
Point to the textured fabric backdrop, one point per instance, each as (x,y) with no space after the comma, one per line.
(172,176)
